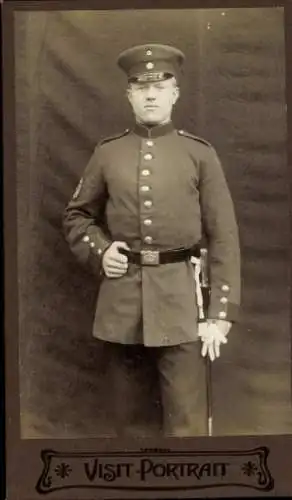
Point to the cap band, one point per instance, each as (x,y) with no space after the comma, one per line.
(150,77)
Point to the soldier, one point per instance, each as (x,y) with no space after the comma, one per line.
(137,217)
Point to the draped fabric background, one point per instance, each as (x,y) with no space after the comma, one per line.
(69,94)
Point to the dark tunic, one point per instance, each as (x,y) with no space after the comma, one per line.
(155,188)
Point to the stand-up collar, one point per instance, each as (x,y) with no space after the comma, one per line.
(154,131)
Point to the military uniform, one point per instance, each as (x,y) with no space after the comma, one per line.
(157,189)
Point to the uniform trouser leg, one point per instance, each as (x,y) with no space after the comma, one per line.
(122,387)
(183,389)
(130,368)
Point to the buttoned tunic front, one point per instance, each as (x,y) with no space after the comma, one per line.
(156,189)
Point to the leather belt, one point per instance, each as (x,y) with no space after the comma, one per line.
(155,257)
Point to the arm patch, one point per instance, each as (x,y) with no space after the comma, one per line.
(78,189)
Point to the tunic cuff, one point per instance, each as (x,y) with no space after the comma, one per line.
(98,243)
(230,312)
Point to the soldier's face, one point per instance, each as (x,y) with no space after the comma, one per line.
(152,102)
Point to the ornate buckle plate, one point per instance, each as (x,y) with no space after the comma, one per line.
(149,257)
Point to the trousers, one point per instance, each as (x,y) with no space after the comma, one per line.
(179,384)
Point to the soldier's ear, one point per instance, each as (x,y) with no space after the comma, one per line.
(176,94)
(129,93)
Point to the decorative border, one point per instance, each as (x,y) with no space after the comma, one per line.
(167,469)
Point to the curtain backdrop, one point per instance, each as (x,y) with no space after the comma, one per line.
(70,94)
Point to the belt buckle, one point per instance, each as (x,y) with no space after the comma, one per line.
(150,257)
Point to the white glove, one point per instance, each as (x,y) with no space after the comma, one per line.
(212,337)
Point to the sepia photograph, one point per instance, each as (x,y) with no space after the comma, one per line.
(152,224)
(142,138)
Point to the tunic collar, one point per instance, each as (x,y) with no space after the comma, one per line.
(155,131)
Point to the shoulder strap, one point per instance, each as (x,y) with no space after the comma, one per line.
(194,137)
(114,137)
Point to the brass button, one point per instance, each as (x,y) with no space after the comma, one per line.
(148,240)
(225,288)
(145,189)
(224,300)
(99,251)
(85,238)
(145,172)
(150,143)
(147,222)
(148,156)
(92,244)
(148,203)
(222,315)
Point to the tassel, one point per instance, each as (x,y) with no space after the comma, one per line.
(199,295)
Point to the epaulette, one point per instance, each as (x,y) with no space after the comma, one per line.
(199,139)
(114,137)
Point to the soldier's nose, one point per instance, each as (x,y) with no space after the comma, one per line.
(150,94)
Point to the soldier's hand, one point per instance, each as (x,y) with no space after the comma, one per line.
(213,334)
(223,325)
(114,263)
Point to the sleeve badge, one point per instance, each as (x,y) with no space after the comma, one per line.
(78,189)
